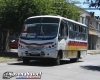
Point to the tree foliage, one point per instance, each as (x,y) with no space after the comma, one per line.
(67,9)
(14,12)
(94,3)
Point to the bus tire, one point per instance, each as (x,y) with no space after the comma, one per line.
(26,60)
(57,60)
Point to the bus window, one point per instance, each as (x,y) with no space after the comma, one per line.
(71,31)
(80,29)
(83,34)
(78,36)
(66,29)
(40,28)
(83,29)
(61,30)
(71,27)
(77,32)
(76,28)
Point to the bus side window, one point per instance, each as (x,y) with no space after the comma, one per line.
(77,34)
(83,34)
(61,30)
(66,30)
(71,31)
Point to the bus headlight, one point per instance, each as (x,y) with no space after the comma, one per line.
(49,47)
(21,46)
(53,45)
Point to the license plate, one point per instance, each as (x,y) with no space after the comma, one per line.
(34,52)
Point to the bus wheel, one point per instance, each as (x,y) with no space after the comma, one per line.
(57,61)
(26,60)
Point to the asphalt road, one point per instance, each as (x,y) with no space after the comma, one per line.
(86,69)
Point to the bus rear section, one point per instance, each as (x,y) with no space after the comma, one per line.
(72,40)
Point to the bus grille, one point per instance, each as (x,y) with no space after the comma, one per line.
(35,47)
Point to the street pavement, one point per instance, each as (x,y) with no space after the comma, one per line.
(87,68)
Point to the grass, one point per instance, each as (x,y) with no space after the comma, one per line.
(5,58)
(94,52)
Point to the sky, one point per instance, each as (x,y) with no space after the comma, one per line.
(81,4)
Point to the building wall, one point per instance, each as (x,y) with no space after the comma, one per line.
(92,42)
(98,44)
(94,33)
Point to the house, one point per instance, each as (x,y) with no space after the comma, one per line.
(94,32)
(93,24)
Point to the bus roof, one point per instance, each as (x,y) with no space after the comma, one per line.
(58,17)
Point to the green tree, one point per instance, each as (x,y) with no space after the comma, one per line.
(66,9)
(14,12)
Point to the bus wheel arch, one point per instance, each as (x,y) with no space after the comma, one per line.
(59,57)
(60,52)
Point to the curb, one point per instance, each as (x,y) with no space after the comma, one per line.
(93,53)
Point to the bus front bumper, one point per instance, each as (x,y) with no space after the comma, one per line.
(52,53)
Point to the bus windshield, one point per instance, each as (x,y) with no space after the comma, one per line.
(40,28)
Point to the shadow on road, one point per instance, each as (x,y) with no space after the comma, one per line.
(42,63)
(9,54)
(93,68)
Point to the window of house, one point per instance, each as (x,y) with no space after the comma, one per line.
(87,21)
(90,22)
(96,25)
(81,19)
(99,26)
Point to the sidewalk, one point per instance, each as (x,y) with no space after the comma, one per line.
(93,51)
(14,50)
